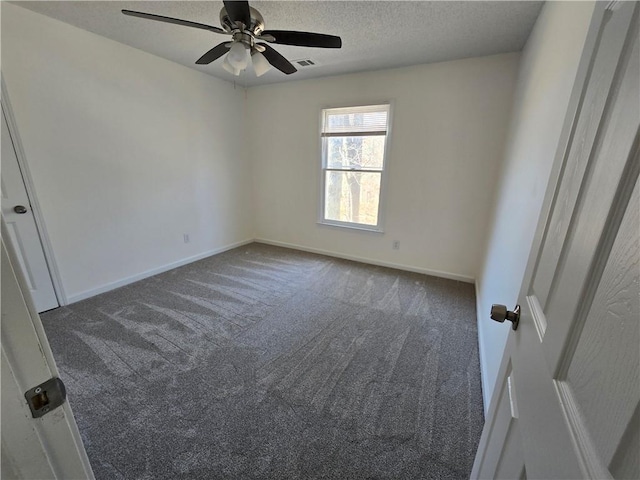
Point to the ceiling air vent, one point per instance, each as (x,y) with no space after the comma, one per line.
(306,62)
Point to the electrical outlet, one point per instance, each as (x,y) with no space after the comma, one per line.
(186,238)
(396,245)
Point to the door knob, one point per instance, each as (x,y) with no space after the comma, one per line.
(499,313)
(20,209)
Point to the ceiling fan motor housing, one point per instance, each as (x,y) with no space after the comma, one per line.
(256,27)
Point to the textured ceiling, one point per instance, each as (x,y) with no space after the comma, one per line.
(375,34)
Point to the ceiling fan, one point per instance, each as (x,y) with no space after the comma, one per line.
(246,27)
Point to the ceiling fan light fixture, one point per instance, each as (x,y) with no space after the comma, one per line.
(260,64)
(238,56)
(230,68)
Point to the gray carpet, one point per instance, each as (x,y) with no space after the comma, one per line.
(268,363)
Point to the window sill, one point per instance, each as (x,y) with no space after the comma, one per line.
(351,226)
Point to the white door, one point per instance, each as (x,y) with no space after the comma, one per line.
(49,446)
(566,403)
(21,226)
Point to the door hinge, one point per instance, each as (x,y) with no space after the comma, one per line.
(46,397)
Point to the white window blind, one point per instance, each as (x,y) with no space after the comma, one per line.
(356,121)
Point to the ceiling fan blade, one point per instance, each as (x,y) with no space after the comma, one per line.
(176,21)
(304,39)
(277,60)
(238,11)
(213,54)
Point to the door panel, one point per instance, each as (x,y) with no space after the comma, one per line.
(626,461)
(22,229)
(499,428)
(584,136)
(574,363)
(610,174)
(511,465)
(505,457)
(24,453)
(603,371)
(511,462)
(46,447)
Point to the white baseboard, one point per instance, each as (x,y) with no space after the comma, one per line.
(154,271)
(482,353)
(149,273)
(408,268)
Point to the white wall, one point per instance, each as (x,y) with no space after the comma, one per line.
(547,72)
(448,131)
(127,152)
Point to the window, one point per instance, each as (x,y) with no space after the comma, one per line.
(354,142)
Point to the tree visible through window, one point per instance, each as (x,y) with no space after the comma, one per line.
(353,162)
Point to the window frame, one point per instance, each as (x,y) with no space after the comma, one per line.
(383,171)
